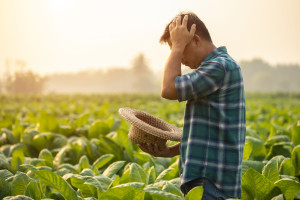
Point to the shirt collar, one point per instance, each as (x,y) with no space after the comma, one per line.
(215,53)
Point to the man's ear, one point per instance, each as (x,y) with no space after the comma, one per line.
(197,40)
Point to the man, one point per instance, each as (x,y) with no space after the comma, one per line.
(211,148)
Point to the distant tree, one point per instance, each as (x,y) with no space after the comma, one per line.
(261,76)
(24,82)
(144,79)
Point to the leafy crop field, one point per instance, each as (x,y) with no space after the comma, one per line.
(76,147)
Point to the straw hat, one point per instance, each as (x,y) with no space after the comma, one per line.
(147,128)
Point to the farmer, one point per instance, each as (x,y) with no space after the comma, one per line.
(211,148)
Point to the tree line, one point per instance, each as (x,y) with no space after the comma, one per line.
(259,76)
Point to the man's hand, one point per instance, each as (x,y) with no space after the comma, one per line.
(153,150)
(179,35)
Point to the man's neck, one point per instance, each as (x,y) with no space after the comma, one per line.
(207,48)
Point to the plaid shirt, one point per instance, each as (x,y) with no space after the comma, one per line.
(214,123)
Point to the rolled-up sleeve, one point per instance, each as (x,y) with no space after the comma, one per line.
(203,81)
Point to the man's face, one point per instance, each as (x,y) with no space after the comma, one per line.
(190,56)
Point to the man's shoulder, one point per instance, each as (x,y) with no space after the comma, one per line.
(224,60)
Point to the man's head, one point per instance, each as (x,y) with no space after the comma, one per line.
(201,29)
(200,46)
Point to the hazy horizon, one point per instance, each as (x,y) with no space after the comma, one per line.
(70,36)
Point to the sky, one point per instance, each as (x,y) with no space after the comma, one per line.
(72,35)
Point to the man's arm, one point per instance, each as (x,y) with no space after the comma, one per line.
(179,38)
(172,69)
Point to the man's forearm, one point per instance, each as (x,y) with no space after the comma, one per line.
(171,70)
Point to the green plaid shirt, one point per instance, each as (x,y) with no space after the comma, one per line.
(214,123)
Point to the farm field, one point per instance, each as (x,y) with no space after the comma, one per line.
(76,147)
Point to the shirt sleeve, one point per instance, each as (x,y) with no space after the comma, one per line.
(200,83)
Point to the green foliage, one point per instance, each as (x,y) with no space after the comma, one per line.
(257,186)
(195,193)
(78,148)
(296,159)
(51,179)
(98,128)
(290,188)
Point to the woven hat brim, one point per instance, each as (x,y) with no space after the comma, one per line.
(172,133)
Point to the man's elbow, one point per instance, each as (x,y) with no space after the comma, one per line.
(167,94)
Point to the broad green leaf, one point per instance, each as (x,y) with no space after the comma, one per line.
(58,141)
(42,140)
(17,159)
(296,134)
(4,149)
(134,173)
(55,181)
(296,159)
(108,146)
(113,168)
(256,186)
(289,188)
(103,181)
(47,156)
(5,188)
(100,162)
(98,128)
(169,187)
(20,146)
(19,183)
(276,139)
(87,189)
(60,156)
(247,150)
(83,163)
(122,140)
(116,125)
(87,172)
(279,197)
(4,163)
(56,195)
(163,161)
(84,183)
(47,122)
(115,182)
(272,132)
(8,135)
(270,171)
(28,135)
(4,173)
(258,148)
(287,167)
(124,191)
(32,190)
(158,194)
(65,129)
(82,120)
(18,197)
(256,165)
(195,193)
(165,175)
(69,167)
(158,168)
(176,182)
(279,149)
(17,130)
(151,175)
(92,151)
(143,157)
